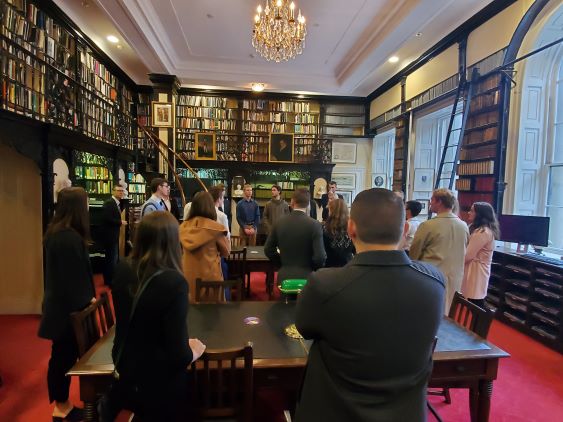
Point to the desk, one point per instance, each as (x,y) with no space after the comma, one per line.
(258,262)
(461,359)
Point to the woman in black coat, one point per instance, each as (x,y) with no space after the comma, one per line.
(151,350)
(68,288)
(338,245)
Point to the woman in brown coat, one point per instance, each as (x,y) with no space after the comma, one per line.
(204,242)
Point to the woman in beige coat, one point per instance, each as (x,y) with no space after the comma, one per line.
(204,242)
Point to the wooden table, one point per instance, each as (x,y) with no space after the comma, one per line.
(461,359)
(258,262)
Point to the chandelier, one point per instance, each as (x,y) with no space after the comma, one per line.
(277,34)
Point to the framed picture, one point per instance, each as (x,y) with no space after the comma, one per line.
(205,147)
(162,114)
(425,205)
(379,180)
(344,180)
(346,196)
(423,180)
(280,149)
(343,152)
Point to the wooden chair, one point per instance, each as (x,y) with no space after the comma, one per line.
(214,291)
(237,268)
(237,242)
(92,323)
(471,317)
(223,390)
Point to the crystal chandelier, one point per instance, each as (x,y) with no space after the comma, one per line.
(277,34)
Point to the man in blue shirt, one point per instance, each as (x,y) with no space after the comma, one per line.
(159,188)
(248,217)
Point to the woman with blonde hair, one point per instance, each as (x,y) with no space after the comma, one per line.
(204,241)
(338,245)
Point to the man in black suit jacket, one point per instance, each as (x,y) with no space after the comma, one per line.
(373,323)
(109,230)
(324,198)
(299,239)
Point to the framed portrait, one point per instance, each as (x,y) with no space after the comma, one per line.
(205,146)
(162,114)
(280,149)
(423,180)
(379,180)
(345,180)
(343,152)
(346,196)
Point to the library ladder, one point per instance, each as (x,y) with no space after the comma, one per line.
(450,153)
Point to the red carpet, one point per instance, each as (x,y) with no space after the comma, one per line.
(529,387)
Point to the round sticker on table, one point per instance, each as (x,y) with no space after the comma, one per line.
(251,320)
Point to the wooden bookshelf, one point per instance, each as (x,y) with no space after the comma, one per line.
(400,154)
(343,120)
(478,163)
(92,172)
(136,187)
(528,295)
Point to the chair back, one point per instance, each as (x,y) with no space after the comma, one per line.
(237,264)
(237,242)
(214,291)
(222,388)
(92,323)
(471,316)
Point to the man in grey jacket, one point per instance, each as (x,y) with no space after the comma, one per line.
(275,209)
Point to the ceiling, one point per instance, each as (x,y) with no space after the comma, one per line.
(207,43)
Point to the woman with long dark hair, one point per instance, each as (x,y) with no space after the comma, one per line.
(68,288)
(338,245)
(204,241)
(484,229)
(151,349)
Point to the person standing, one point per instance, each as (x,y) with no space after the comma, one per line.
(159,188)
(338,245)
(484,229)
(275,209)
(204,241)
(248,217)
(69,288)
(442,242)
(370,359)
(170,203)
(110,228)
(325,198)
(299,240)
(412,209)
(152,348)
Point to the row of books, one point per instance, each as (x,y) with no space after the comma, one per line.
(91,65)
(91,172)
(479,153)
(24,70)
(15,94)
(343,131)
(482,119)
(201,101)
(134,187)
(479,184)
(97,111)
(345,120)
(96,187)
(204,123)
(476,168)
(207,112)
(484,100)
(491,82)
(136,198)
(479,137)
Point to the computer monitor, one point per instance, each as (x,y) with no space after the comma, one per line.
(524,229)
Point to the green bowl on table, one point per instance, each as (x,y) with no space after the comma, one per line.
(292,285)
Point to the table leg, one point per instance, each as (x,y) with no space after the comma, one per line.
(90,412)
(484,406)
(473,403)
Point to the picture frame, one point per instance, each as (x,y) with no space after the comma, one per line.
(424,180)
(281,148)
(346,196)
(343,152)
(425,206)
(379,180)
(345,180)
(205,146)
(162,114)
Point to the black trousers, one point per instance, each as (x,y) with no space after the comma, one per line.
(111,259)
(64,353)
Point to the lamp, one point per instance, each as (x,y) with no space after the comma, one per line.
(278,35)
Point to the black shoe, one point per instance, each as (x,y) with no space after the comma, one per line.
(75,415)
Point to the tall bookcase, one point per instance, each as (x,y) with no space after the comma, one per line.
(400,154)
(478,163)
(50,74)
(207,114)
(92,172)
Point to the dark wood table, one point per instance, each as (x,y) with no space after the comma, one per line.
(258,262)
(461,359)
